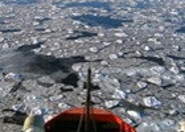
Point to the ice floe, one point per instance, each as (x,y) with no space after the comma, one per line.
(151,101)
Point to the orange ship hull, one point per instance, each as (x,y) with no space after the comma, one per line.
(100,121)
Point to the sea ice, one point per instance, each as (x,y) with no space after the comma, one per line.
(113,56)
(175,69)
(120,35)
(13,77)
(56,98)
(94,49)
(118,94)
(151,101)
(182,98)
(155,80)
(63,106)
(19,107)
(158,70)
(157,126)
(1,39)
(142,84)
(134,114)
(111,103)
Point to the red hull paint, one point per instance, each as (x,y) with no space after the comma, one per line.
(98,115)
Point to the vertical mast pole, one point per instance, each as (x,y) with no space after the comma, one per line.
(88,101)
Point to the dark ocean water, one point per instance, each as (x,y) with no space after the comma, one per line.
(19,2)
(94,4)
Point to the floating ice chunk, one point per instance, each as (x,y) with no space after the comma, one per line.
(19,107)
(148,127)
(63,106)
(168,76)
(134,114)
(106,43)
(182,98)
(151,101)
(35,23)
(119,41)
(114,82)
(109,83)
(122,110)
(128,91)
(173,12)
(131,71)
(94,49)
(168,122)
(158,43)
(147,48)
(79,41)
(76,14)
(77,67)
(157,126)
(158,35)
(36,111)
(161,28)
(142,84)
(70,31)
(176,48)
(3,93)
(48,30)
(113,56)
(1,39)
(98,77)
(120,53)
(5,46)
(40,18)
(32,101)
(120,35)
(157,70)
(152,40)
(35,40)
(111,103)
(180,77)
(175,69)
(181,127)
(45,81)
(138,43)
(101,34)
(173,112)
(118,94)
(138,53)
(56,99)
(104,63)
(13,77)
(133,38)
(5,89)
(167,125)
(155,80)
(127,120)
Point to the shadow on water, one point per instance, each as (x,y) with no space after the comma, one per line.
(93,4)
(103,21)
(154,59)
(2,21)
(146,4)
(80,34)
(42,19)
(10,30)
(180,30)
(142,5)
(32,65)
(19,2)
